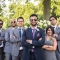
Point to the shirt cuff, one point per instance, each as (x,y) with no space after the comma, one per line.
(31,42)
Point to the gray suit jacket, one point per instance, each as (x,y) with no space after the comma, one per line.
(8,46)
(16,42)
(57,31)
(2,36)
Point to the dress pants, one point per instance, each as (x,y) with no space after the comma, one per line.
(20,55)
(8,56)
(32,56)
(57,54)
(1,53)
(14,57)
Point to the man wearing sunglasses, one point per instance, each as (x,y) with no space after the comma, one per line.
(56,28)
(8,44)
(30,41)
(2,35)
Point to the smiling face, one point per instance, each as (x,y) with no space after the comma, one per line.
(33,20)
(49,32)
(20,22)
(13,23)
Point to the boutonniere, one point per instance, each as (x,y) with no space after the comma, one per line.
(2,30)
(37,30)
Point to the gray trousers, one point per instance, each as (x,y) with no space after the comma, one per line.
(8,56)
(14,58)
(57,55)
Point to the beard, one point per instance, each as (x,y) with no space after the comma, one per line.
(33,24)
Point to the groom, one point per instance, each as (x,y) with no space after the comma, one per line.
(30,41)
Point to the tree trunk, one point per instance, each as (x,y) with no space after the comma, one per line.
(47,5)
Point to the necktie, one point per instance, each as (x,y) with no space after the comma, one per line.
(20,32)
(53,27)
(33,32)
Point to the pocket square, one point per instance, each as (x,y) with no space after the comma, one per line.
(38,35)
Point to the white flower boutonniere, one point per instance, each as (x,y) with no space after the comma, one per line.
(37,29)
(2,30)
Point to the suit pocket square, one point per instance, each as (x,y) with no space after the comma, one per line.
(38,35)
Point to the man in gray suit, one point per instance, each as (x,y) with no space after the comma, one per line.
(56,28)
(8,44)
(15,38)
(2,35)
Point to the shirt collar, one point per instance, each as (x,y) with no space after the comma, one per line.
(20,27)
(54,26)
(34,27)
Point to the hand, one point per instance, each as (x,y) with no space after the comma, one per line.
(55,35)
(40,39)
(45,46)
(29,41)
(14,36)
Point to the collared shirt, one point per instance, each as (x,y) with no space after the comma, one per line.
(21,29)
(54,27)
(33,28)
(21,48)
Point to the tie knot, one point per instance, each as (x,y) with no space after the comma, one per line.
(33,29)
(53,27)
(19,29)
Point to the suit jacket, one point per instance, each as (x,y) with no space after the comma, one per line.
(38,51)
(16,42)
(8,46)
(2,40)
(57,31)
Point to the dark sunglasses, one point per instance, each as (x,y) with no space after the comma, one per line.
(13,22)
(1,23)
(33,19)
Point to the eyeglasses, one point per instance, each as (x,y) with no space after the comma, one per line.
(20,21)
(52,19)
(33,19)
(13,22)
(1,23)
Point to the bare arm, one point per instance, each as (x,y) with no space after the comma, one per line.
(51,48)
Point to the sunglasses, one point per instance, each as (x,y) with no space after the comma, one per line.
(13,22)
(33,19)
(1,23)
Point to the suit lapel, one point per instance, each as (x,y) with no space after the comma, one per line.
(36,33)
(17,30)
(30,33)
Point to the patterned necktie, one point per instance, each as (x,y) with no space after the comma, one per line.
(33,32)
(20,32)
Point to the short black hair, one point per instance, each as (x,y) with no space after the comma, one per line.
(20,18)
(1,21)
(50,28)
(53,16)
(33,15)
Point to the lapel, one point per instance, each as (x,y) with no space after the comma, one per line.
(37,33)
(17,30)
(30,33)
